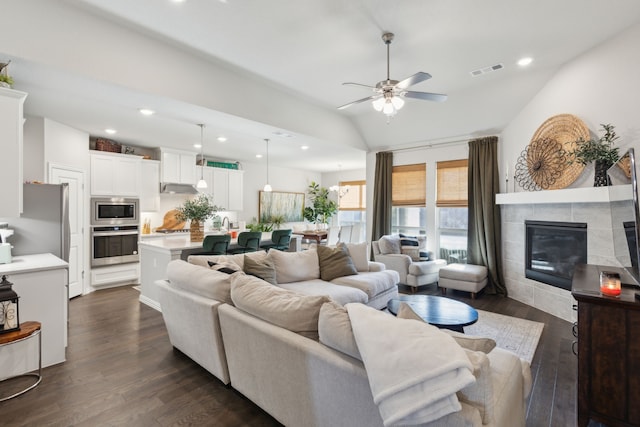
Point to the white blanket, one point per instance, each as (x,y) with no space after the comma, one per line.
(414,369)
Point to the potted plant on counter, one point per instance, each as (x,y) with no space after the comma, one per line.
(601,151)
(197,210)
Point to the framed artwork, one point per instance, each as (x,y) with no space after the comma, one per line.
(273,203)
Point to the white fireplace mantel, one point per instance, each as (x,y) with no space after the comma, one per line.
(566,195)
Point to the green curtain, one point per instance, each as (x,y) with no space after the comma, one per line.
(485,235)
(382,195)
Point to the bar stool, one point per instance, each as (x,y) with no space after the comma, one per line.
(27,330)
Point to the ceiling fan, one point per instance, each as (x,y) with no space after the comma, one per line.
(389,94)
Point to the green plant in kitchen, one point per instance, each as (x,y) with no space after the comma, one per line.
(601,151)
(197,210)
(254,225)
(5,79)
(322,208)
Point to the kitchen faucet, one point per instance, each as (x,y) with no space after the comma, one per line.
(226,218)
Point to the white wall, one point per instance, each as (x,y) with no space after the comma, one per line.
(34,165)
(600,86)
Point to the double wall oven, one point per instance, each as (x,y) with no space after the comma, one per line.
(115,225)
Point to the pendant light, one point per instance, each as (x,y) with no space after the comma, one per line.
(267,186)
(202,184)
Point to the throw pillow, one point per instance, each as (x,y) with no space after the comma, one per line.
(411,245)
(263,269)
(200,280)
(334,329)
(358,254)
(224,267)
(295,266)
(468,342)
(389,245)
(335,262)
(287,309)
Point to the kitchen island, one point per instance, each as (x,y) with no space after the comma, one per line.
(41,281)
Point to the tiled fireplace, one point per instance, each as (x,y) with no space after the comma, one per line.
(582,205)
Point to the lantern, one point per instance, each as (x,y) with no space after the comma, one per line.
(9,319)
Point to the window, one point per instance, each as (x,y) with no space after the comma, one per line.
(408,194)
(451,202)
(352,205)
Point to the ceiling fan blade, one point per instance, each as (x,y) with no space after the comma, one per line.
(358,84)
(415,79)
(438,97)
(342,107)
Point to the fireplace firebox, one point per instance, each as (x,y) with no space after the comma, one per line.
(553,249)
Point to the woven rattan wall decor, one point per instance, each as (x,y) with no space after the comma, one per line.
(543,164)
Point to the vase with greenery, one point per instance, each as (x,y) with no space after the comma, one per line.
(197,210)
(5,78)
(600,151)
(321,208)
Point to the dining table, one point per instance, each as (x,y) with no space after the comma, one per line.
(317,235)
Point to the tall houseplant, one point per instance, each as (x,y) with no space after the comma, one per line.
(321,206)
(601,151)
(197,210)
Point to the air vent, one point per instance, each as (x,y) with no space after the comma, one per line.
(486,70)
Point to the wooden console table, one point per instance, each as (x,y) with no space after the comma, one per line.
(608,351)
(316,235)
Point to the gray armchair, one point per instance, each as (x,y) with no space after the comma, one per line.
(412,273)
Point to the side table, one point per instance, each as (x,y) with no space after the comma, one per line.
(27,330)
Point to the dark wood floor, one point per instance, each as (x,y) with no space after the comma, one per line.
(121,370)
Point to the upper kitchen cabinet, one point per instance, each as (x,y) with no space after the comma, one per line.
(178,167)
(150,188)
(11,123)
(228,189)
(114,174)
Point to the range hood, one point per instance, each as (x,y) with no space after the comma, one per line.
(178,188)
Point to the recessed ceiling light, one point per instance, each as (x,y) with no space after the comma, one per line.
(178,1)
(282,134)
(259,156)
(222,139)
(523,62)
(111,131)
(146,112)
(304,147)
(197,145)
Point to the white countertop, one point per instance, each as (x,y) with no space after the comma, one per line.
(171,243)
(29,263)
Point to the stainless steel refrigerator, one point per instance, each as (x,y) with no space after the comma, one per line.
(43,226)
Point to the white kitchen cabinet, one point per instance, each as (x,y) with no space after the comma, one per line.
(115,275)
(11,145)
(207,175)
(150,186)
(114,174)
(178,167)
(228,189)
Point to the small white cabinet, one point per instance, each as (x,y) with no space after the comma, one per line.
(178,167)
(150,186)
(236,192)
(11,146)
(114,174)
(228,189)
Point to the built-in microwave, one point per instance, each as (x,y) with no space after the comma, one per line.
(114,211)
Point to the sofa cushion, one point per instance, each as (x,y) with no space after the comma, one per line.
(358,254)
(224,267)
(389,245)
(200,280)
(468,342)
(264,269)
(372,283)
(335,262)
(236,259)
(281,307)
(338,293)
(334,329)
(295,266)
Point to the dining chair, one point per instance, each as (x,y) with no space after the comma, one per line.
(248,241)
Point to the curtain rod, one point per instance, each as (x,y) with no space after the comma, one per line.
(458,141)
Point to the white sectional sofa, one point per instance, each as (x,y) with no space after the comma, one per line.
(293,352)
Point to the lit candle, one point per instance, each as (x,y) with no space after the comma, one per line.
(610,283)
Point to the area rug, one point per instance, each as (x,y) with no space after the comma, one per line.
(517,335)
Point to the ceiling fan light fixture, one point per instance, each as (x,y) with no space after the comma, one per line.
(378,104)
(389,109)
(397,102)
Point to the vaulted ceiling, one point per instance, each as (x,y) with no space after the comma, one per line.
(255,69)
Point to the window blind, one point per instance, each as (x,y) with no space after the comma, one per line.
(452,184)
(353,195)
(409,185)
